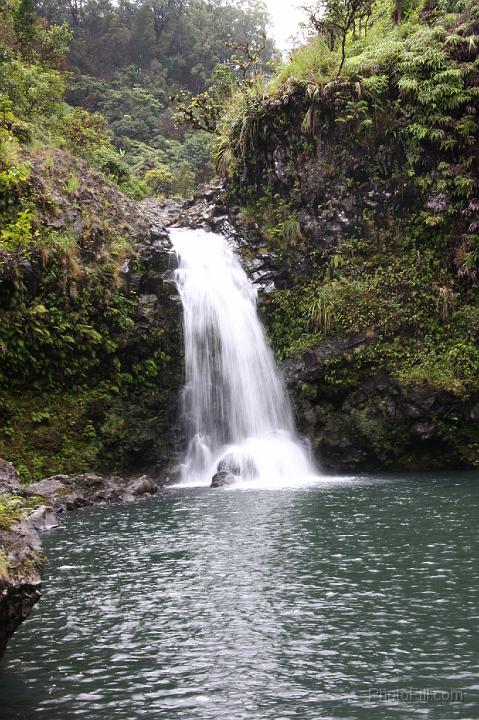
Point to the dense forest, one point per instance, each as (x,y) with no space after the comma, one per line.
(111,77)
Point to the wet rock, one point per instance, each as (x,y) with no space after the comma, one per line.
(21,564)
(222,479)
(147,309)
(47,488)
(163,213)
(8,478)
(239,465)
(424,430)
(208,210)
(144,485)
(64,493)
(43,519)
(311,364)
(377,423)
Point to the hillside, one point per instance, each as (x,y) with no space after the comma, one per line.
(90,349)
(355,187)
(90,366)
(363,181)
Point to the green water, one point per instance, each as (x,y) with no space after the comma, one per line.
(352,599)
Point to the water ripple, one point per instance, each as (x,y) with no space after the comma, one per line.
(302,603)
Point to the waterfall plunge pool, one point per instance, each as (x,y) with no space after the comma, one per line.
(354,598)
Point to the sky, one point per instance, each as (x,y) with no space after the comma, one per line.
(286,17)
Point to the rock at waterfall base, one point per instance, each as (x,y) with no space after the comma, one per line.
(222,479)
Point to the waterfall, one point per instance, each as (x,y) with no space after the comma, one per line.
(238,417)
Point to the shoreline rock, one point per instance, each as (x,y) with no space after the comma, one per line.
(64,493)
(21,555)
(21,566)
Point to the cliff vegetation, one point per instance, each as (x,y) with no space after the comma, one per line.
(86,366)
(358,161)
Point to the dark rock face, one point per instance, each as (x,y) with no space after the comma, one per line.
(8,478)
(65,492)
(211,210)
(359,227)
(377,425)
(150,416)
(21,563)
(312,363)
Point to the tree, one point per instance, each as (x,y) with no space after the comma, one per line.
(248,61)
(76,8)
(26,21)
(335,19)
(160,180)
(164,11)
(397,12)
(203,111)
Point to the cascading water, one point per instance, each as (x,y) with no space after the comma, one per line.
(238,417)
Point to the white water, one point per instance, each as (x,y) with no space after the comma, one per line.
(234,403)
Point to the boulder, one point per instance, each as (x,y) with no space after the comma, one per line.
(144,485)
(71,492)
(43,519)
(222,479)
(238,464)
(8,478)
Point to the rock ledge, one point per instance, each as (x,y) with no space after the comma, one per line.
(26,512)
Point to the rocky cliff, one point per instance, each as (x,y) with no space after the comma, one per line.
(363,187)
(90,332)
(21,557)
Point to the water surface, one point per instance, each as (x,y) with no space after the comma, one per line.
(285,604)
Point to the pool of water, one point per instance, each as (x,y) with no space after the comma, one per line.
(349,598)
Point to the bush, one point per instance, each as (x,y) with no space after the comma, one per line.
(18,234)
(160,180)
(84,132)
(35,91)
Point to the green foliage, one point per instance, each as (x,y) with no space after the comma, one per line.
(120,98)
(184,181)
(279,222)
(128,59)
(204,111)
(310,63)
(159,180)
(13,508)
(18,234)
(335,19)
(84,132)
(36,91)
(17,221)
(143,37)
(404,119)
(447,366)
